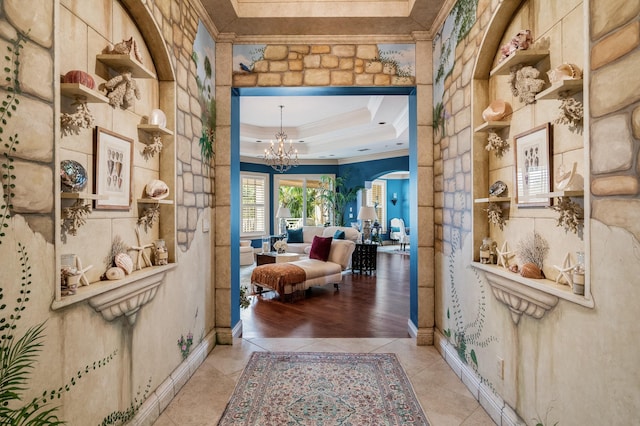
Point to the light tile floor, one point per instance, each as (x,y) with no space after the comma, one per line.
(444,398)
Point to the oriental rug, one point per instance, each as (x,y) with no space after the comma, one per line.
(323,389)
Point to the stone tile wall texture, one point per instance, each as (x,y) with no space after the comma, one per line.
(615,113)
(321,65)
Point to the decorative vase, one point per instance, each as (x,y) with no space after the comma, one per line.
(578,272)
(486,248)
(160,253)
(266,244)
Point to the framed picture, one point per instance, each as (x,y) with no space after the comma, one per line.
(533,166)
(113,165)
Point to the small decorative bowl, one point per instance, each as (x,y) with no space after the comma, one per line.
(73,176)
(499,188)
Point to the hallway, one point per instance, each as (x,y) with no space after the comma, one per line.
(444,398)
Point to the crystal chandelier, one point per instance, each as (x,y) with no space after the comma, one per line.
(280,157)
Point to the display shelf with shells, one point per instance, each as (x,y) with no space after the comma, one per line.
(120,62)
(154,130)
(82,92)
(564,87)
(519,57)
(492,125)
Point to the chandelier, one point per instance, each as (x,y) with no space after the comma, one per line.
(280,157)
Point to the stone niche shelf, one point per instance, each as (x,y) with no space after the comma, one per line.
(154,130)
(519,57)
(82,92)
(120,297)
(125,62)
(526,295)
(152,201)
(81,196)
(492,200)
(562,87)
(492,126)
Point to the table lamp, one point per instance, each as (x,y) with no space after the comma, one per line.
(282,215)
(367,215)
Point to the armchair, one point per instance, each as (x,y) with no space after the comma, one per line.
(398,232)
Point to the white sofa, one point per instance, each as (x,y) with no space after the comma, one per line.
(317,272)
(308,232)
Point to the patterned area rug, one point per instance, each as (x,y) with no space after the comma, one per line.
(323,389)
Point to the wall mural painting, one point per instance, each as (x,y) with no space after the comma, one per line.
(455,28)
(466,336)
(246,55)
(203,56)
(400,56)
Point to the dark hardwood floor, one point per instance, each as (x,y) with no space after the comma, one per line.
(375,305)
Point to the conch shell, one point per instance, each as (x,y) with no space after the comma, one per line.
(564,71)
(531,270)
(157,189)
(124,261)
(497,110)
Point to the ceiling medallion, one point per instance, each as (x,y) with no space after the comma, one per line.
(280,157)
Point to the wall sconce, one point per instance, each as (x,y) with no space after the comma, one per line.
(394,199)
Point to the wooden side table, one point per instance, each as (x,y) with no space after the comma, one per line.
(364,258)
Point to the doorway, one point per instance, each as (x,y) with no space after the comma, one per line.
(237,93)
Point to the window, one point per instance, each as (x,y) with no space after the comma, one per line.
(254,204)
(300,193)
(376,196)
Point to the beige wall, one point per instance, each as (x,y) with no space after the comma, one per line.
(67,35)
(564,362)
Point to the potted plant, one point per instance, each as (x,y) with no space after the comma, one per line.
(335,195)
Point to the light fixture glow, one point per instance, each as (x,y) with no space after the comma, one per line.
(278,156)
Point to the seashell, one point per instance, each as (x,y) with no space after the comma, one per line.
(497,110)
(514,268)
(73,176)
(124,261)
(531,270)
(564,71)
(114,273)
(81,77)
(157,189)
(157,117)
(498,188)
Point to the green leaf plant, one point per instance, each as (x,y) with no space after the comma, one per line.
(18,356)
(335,194)
(9,106)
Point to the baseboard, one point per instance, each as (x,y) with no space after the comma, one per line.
(499,411)
(160,398)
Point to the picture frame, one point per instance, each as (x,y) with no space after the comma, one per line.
(533,168)
(113,158)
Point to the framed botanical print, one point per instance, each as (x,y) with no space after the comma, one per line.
(113,167)
(533,166)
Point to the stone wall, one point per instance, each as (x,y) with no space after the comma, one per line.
(538,377)
(615,113)
(321,65)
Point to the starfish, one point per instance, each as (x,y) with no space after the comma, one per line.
(503,256)
(565,271)
(83,278)
(142,260)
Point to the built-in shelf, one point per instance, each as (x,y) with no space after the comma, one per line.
(492,200)
(533,297)
(492,125)
(120,62)
(564,87)
(153,201)
(579,193)
(82,195)
(154,129)
(125,288)
(82,92)
(524,57)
